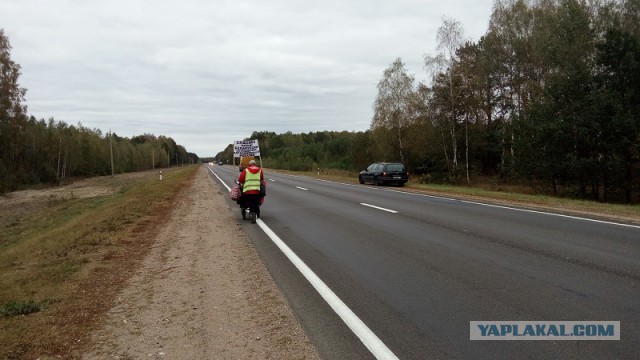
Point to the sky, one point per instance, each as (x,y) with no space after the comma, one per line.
(208,72)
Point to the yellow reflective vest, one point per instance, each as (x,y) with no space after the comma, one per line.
(251,181)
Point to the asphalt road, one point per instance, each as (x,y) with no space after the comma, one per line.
(417,269)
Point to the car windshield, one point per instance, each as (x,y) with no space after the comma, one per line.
(395,167)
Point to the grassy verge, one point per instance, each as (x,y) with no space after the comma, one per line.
(64,258)
(504,195)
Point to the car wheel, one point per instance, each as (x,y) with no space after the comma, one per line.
(377,181)
(360,180)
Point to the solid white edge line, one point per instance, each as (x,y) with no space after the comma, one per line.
(301,188)
(368,338)
(379,208)
(222,182)
(479,203)
(546,213)
(520,209)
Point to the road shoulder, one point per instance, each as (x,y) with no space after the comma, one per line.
(201,292)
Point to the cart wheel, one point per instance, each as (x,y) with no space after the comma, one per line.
(253,217)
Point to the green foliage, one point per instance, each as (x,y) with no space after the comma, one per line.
(14,308)
(45,152)
(560,113)
(309,151)
(54,151)
(549,96)
(580,135)
(557,112)
(392,109)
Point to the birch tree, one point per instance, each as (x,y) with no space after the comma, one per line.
(392,105)
(449,38)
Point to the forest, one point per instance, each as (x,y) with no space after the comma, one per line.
(548,97)
(37,151)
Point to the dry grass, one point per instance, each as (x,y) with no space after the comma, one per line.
(67,251)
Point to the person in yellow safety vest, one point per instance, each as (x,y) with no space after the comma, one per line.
(250,180)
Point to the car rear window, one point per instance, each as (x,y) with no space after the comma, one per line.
(395,167)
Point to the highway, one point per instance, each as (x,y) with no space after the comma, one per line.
(417,269)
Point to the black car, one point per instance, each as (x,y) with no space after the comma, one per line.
(384,173)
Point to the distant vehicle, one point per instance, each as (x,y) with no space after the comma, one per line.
(220,162)
(384,173)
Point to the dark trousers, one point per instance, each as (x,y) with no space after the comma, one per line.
(252,202)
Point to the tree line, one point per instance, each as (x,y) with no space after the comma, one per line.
(548,97)
(42,151)
(308,151)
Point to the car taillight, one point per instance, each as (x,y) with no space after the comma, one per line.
(384,173)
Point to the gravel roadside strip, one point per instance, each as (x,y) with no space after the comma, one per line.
(201,293)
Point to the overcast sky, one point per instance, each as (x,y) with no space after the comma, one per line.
(208,72)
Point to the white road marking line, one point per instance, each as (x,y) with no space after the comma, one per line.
(477,203)
(222,182)
(520,209)
(359,328)
(301,188)
(271,180)
(379,208)
(547,213)
(368,338)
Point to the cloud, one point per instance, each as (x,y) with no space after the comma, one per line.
(210,72)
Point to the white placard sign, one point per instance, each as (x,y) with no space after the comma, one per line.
(246,148)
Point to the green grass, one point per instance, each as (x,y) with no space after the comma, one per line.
(14,308)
